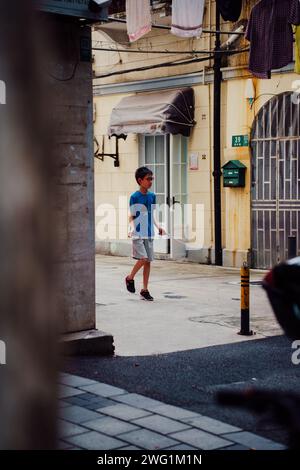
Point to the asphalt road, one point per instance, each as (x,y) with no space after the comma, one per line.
(190,379)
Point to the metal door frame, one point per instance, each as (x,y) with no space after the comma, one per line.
(142,161)
(277,204)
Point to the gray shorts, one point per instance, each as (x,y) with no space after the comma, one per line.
(142,248)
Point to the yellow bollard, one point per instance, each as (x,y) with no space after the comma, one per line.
(245,301)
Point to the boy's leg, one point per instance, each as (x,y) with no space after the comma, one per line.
(136,268)
(146,274)
(129,280)
(139,253)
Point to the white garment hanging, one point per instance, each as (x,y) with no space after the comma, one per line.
(187,18)
(138,16)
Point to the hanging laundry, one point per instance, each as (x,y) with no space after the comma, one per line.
(230,9)
(294,17)
(187,18)
(271,37)
(138,14)
(295,20)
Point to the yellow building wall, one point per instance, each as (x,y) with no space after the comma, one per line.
(112,184)
(240,117)
(237,118)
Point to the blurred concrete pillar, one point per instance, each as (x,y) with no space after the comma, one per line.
(28,230)
(47,250)
(70,81)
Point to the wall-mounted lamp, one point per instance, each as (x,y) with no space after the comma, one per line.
(250,91)
(100,155)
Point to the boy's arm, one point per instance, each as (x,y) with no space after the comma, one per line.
(160,229)
(130,219)
(131,225)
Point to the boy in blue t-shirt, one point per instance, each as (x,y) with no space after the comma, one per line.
(142,223)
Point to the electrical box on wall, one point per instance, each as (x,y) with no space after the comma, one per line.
(234,173)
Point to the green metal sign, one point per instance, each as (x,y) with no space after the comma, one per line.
(240,141)
(77,8)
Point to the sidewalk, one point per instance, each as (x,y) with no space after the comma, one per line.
(195,306)
(97,416)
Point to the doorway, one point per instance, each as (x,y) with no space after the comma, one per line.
(166,157)
(275,146)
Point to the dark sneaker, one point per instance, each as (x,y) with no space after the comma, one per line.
(145,294)
(130,285)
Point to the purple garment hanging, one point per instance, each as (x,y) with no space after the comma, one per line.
(295,12)
(271,37)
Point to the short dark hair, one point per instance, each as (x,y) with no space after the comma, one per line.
(142,172)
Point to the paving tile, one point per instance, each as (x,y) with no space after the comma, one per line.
(139,401)
(75,381)
(96,406)
(148,439)
(78,414)
(236,447)
(95,441)
(77,400)
(62,445)
(65,391)
(130,448)
(123,411)
(110,426)
(161,424)
(90,397)
(174,412)
(200,439)
(182,447)
(102,402)
(93,404)
(211,425)
(66,429)
(253,441)
(103,390)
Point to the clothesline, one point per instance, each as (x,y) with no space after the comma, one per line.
(187,17)
(174,63)
(161,26)
(140,51)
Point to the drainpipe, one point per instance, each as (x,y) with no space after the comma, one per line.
(210,141)
(217,145)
